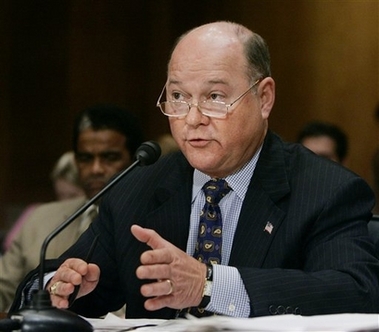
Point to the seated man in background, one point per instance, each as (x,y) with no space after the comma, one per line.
(105,139)
(238,222)
(325,139)
(328,140)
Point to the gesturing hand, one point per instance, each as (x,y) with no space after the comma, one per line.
(72,272)
(179,277)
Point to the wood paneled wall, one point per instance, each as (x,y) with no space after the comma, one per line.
(59,57)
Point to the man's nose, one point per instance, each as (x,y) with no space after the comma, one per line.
(194,115)
(97,166)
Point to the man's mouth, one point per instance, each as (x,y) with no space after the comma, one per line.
(198,142)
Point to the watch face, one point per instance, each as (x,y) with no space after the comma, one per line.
(208,288)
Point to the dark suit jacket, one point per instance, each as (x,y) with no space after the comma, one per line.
(318,258)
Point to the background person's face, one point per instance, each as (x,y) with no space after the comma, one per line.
(322,146)
(100,155)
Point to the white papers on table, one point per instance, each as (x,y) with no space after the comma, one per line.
(285,323)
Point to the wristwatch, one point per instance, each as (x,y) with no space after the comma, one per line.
(207,291)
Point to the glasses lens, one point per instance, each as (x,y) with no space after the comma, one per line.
(213,108)
(181,108)
(174,108)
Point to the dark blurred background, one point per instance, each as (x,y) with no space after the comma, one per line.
(58,57)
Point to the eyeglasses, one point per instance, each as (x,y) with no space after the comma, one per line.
(211,108)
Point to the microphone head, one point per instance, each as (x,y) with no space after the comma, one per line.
(148,153)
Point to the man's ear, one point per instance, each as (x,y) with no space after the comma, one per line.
(266,93)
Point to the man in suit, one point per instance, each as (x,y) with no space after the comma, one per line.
(294,225)
(105,139)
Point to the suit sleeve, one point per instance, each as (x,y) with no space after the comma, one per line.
(338,271)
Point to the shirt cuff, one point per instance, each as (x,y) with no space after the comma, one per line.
(47,278)
(229,296)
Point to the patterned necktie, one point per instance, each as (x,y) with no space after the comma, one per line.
(209,240)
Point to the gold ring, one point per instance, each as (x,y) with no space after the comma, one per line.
(171,286)
(53,288)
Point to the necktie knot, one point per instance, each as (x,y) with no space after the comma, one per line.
(215,190)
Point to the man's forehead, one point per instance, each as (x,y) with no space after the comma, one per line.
(103,131)
(101,138)
(214,66)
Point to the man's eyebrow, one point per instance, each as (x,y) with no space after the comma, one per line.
(104,153)
(209,82)
(81,153)
(109,153)
(170,82)
(218,81)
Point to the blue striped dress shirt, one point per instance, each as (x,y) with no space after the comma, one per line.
(229,296)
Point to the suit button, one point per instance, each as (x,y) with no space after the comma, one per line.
(281,310)
(272,310)
(289,310)
(297,311)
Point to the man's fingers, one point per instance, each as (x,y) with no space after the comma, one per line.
(93,273)
(61,303)
(157,303)
(72,272)
(163,287)
(148,236)
(75,264)
(153,271)
(61,288)
(157,256)
(161,248)
(178,277)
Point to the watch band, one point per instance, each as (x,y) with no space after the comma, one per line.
(207,287)
(209,275)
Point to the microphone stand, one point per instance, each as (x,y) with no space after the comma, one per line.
(41,315)
(74,216)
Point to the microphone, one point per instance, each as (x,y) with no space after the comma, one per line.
(41,316)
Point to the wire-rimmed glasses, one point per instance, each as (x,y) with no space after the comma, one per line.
(211,108)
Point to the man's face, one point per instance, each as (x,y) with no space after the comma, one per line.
(214,68)
(100,155)
(322,146)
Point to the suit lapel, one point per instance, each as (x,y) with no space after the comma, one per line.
(260,217)
(172,200)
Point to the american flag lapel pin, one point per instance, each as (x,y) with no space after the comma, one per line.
(268,228)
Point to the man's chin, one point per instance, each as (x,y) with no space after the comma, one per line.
(93,191)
